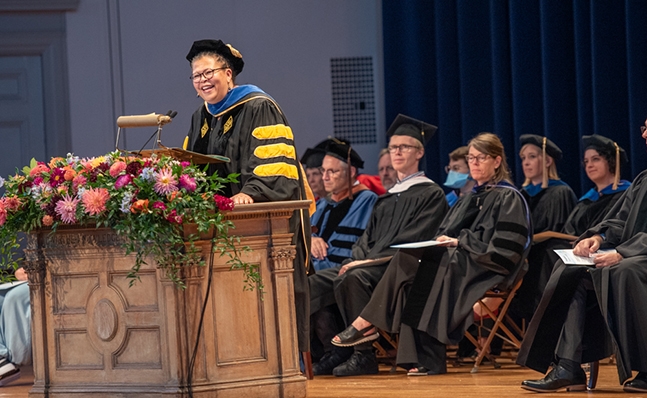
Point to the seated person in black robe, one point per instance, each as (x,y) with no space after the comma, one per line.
(411,211)
(551,201)
(427,294)
(311,161)
(602,161)
(458,175)
(589,313)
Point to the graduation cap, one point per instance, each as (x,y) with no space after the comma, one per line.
(607,148)
(547,147)
(227,51)
(344,152)
(313,157)
(405,125)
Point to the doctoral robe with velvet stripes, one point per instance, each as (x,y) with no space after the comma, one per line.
(255,135)
(492,228)
(340,224)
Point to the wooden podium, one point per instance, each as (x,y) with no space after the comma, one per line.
(93,336)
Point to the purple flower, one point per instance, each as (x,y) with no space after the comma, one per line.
(187,182)
(123,180)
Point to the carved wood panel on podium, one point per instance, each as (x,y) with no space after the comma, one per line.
(94,336)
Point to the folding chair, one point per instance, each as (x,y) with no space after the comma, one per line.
(502,323)
(383,354)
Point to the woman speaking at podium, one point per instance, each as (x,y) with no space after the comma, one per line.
(246,125)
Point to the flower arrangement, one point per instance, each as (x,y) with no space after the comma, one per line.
(145,200)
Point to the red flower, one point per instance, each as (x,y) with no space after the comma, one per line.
(174,217)
(223,202)
(57,177)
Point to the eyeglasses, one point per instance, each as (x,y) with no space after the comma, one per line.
(402,148)
(208,74)
(448,169)
(329,171)
(479,158)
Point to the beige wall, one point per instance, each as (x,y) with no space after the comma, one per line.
(127,57)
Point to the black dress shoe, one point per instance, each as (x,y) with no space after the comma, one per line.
(352,337)
(558,379)
(331,360)
(360,363)
(638,384)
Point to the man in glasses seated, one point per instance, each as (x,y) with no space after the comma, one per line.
(411,211)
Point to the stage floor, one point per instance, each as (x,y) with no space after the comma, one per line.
(458,382)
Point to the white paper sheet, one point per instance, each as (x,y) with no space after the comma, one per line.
(416,245)
(568,257)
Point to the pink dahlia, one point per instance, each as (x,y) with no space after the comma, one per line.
(94,200)
(165,182)
(12,203)
(66,209)
(78,181)
(187,182)
(3,213)
(117,167)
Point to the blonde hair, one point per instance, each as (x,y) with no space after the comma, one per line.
(548,173)
(490,144)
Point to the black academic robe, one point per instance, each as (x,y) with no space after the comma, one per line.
(255,135)
(542,258)
(617,317)
(492,228)
(399,216)
(551,207)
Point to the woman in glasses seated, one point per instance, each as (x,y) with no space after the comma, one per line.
(427,294)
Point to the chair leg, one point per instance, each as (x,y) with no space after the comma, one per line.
(307,364)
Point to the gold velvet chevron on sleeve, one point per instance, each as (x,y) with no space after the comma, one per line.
(273,131)
(277,150)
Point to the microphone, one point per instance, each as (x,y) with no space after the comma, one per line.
(170,114)
(152,119)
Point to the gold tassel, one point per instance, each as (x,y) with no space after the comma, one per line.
(544,178)
(616,178)
(350,178)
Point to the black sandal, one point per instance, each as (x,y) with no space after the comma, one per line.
(351,337)
(419,371)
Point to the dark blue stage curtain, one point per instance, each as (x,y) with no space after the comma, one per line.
(551,67)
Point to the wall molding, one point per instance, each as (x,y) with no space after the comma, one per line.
(38,5)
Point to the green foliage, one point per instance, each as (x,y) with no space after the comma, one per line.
(148,202)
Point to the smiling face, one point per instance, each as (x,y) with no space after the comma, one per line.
(211,90)
(597,167)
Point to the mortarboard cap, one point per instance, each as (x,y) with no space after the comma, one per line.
(343,151)
(233,56)
(405,125)
(607,147)
(543,143)
(313,157)
(604,145)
